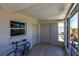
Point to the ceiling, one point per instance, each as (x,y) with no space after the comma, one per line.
(40,11)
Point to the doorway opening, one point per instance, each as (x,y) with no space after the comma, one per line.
(61,31)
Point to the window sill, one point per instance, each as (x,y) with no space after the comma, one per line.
(17,36)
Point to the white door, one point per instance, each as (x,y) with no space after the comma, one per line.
(45,33)
(35,34)
(54,33)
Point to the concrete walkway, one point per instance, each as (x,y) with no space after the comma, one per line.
(47,50)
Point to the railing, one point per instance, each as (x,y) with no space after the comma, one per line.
(74,50)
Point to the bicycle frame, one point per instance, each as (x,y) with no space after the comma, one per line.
(16,47)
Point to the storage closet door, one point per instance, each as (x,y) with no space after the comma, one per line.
(35,34)
(54,34)
(45,33)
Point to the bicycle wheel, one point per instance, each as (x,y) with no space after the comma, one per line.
(27,48)
(12,53)
(17,52)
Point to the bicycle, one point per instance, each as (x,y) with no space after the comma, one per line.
(19,52)
(16,51)
(26,47)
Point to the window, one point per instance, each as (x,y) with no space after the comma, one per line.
(17,28)
(74,34)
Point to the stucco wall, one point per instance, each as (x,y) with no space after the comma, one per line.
(5,39)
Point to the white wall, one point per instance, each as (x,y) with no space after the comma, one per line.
(5,39)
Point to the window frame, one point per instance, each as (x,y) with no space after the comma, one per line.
(17,28)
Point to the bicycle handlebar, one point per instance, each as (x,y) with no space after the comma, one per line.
(17,42)
(24,40)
